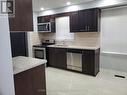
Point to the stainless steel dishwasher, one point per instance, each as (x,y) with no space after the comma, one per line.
(74,59)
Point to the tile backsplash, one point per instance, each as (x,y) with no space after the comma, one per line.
(86,38)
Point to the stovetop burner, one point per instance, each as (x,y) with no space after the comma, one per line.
(39,45)
(43,45)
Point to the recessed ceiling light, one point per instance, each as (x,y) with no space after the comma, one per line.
(68,3)
(42,8)
(73,8)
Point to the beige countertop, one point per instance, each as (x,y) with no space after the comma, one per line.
(21,63)
(76,47)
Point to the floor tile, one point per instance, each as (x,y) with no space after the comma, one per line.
(62,82)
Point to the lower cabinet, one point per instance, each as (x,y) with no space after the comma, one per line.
(31,82)
(90,62)
(57,57)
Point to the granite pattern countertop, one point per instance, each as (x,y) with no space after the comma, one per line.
(76,47)
(21,63)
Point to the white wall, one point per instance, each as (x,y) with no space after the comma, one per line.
(35,21)
(6,71)
(33,37)
(114,39)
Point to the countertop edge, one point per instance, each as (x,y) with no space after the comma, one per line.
(84,48)
(19,65)
(25,69)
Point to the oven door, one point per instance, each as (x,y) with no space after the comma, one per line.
(40,53)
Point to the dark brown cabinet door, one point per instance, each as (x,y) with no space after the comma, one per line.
(85,20)
(74,22)
(90,62)
(31,82)
(93,16)
(38,78)
(23,84)
(57,58)
(23,19)
(53,23)
(43,19)
(60,58)
(51,55)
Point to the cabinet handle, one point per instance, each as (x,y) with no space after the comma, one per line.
(85,28)
(88,28)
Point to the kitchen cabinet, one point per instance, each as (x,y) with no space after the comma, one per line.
(57,58)
(50,57)
(43,19)
(23,17)
(31,82)
(93,20)
(53,23)
(90,62)
(85,20)
(74,19)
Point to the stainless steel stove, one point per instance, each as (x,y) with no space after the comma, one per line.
(40,50)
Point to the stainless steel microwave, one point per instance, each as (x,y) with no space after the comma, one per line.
(44,27)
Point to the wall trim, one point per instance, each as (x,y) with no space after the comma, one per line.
(113,53)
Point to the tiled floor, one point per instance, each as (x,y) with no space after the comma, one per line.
(61,82)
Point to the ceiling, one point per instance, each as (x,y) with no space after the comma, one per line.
(50,4)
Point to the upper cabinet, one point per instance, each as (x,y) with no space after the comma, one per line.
(85,20)
(74,19)
(43,19)
(23,19)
